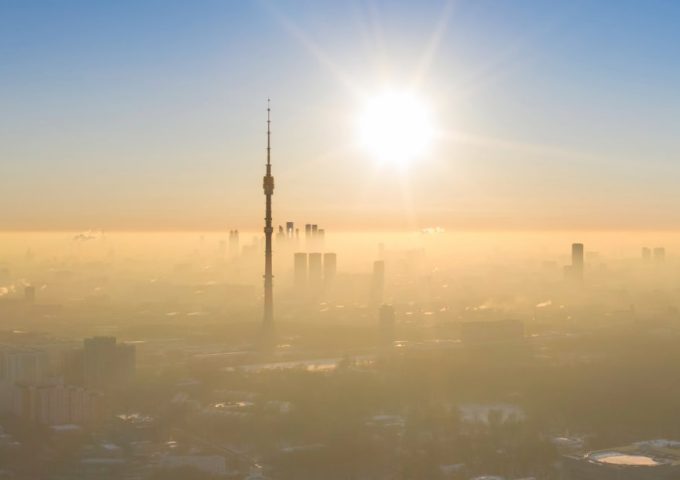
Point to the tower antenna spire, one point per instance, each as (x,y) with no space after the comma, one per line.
(269,132)
(268,185)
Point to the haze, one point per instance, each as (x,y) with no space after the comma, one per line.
(356,240)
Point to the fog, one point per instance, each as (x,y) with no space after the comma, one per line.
(426,354)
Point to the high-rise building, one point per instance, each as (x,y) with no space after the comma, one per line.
(57,404)
(315,270)
(290,229)
(300,270)
(659,254)
(378,282)
(314,237)
(19,366)
(646,254)
(233,243)
(577,260)
(320,237)
(106,363)
(268,186)
(23,365)
(330,267)
(577,255)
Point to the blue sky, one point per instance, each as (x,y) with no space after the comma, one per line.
(149,114)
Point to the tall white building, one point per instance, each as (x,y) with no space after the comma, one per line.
(19,366)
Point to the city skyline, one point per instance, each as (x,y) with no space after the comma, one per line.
(554,117)
(467,268)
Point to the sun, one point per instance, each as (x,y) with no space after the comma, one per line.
(395,127)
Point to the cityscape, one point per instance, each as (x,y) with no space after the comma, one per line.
(410,323)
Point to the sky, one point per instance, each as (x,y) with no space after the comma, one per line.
(151,115)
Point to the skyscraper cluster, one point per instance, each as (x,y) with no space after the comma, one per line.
(658,254)
(288,233)
(289,236)
(314,272)
(314,237)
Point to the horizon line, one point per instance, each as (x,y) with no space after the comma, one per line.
(444,230)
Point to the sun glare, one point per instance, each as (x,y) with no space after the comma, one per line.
(395,127)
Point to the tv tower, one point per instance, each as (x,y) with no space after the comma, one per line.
(268,185)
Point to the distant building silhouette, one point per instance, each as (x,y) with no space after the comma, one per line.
(107,362)
(57,404)
(233,243)
(314,237)
(378,282)
(659,254)
(320,237)
(19,366)
(300,270)
(646,254)
(577,260)
(22,365)
(315,270)
(330,267)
